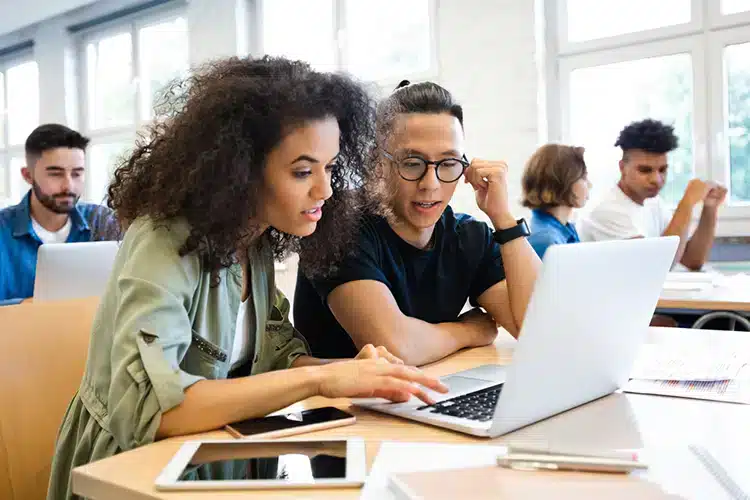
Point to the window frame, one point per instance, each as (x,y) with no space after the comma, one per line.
(7,150)
(633,53)
(704,37)
(339,40)
(719,20)
(565,46)
(717,74)
(131,24)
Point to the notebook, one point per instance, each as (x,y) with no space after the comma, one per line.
(499,483)
(731,472)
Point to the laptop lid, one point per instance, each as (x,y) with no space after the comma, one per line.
(73,270)
(586,320)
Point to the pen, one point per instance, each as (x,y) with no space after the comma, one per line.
(615,454)
(530,461)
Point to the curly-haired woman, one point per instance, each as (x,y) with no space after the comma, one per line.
(251,159)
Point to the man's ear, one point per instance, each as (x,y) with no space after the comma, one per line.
(622,167)
(27,176)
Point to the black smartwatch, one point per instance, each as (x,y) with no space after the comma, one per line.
(505,235)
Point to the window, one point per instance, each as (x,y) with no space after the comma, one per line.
(592,19)
(737,63)
(19,115)
(687,63)
(126,69)
(604,98)
(289,35)
(387,38)
(734,6)
(110,79)
(376,41)
(105,157)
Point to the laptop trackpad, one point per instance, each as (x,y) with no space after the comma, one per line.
(457,384)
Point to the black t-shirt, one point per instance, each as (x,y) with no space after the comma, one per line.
(432,285)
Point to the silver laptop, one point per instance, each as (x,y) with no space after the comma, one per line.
(587,319)
(73,270)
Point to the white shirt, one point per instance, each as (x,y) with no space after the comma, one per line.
(619,217)
(60,236)
(242,342)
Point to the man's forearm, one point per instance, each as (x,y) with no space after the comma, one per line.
(699,246)
(521,265)
(418,342)
(679,226)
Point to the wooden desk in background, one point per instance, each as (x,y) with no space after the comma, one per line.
(716,299)
(617,421)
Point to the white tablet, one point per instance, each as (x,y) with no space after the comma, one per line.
(241,464)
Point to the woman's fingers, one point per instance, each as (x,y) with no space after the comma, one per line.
(384,353)
(400,391)
(413,374)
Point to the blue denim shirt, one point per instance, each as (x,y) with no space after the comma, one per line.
(546,231)
(19,243)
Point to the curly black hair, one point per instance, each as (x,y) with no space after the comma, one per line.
(203,158)
(648,135)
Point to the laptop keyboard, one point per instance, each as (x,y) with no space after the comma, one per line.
(479,405)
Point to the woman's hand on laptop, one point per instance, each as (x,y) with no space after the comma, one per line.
(376,378)
(371,352)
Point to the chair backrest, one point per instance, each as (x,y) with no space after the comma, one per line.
(41,364)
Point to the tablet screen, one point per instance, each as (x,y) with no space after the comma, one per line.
(290,461)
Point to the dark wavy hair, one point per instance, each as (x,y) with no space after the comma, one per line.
(647,135)
(422,97)
(204,156)
(407,97)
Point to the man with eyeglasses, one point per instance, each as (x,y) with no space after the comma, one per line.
(414,268)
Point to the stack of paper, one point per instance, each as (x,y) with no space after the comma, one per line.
(718,375)
(688,282)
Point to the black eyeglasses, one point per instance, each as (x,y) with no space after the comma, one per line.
(414,168)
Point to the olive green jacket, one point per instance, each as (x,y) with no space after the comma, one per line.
(161,326)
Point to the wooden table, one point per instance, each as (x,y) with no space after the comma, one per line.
(618,421)
(716,299)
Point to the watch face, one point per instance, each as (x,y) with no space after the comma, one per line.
(524,227)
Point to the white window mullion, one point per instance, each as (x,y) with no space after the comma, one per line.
(702,140)
(136,75)
(5,197)
(4,108)
(16,159)
(340,34)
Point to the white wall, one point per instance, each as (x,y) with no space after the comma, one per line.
(487,55)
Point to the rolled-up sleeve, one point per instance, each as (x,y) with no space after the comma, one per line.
(288,343)
(152,332)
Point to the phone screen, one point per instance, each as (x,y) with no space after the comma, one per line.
(276,461)
(253,426)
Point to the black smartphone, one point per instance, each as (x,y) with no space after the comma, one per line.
(291,423)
